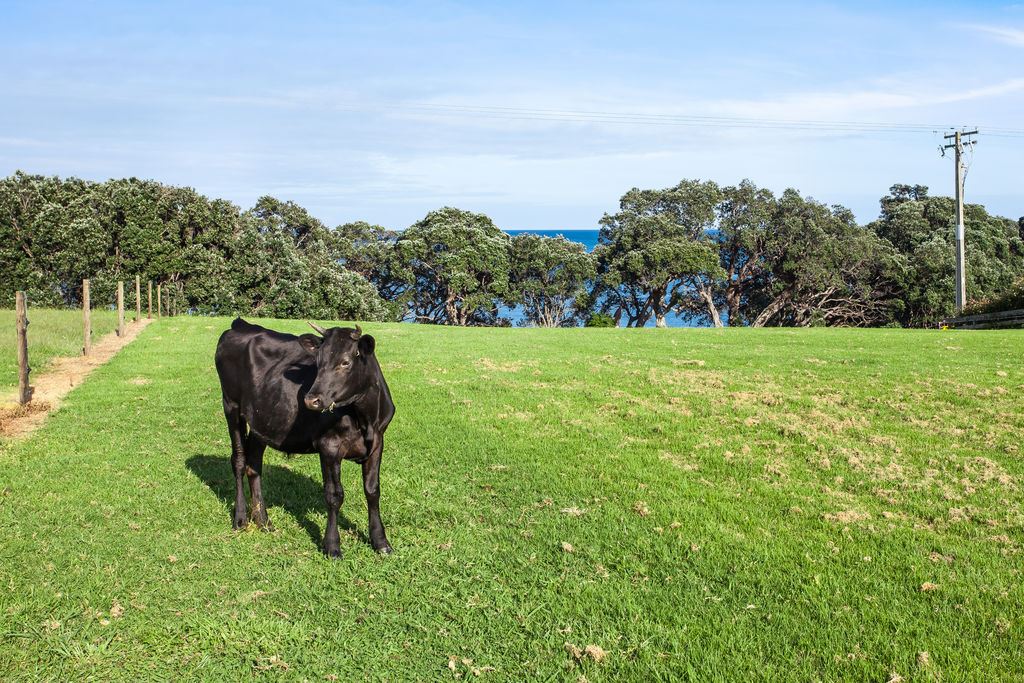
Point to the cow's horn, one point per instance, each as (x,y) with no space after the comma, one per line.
(358,333)
(321,331)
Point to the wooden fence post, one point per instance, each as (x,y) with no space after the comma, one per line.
(86,319)
(120,308)
(149,300)
(138,299)
(24,390)
(159,301)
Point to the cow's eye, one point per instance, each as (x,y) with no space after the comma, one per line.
(346,363)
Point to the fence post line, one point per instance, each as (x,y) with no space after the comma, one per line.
(24,390)
(159,301)
(86,319)
(149,299)
(138,299)
(120,308)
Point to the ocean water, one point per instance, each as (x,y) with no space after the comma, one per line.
(587,238)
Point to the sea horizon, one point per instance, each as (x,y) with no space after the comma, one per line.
(585,236)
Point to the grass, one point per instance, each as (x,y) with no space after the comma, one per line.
(739,505)
(51,333)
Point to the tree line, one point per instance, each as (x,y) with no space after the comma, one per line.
(723,255)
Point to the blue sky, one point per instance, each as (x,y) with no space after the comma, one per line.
(373,111)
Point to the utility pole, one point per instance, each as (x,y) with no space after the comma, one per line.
(960,139)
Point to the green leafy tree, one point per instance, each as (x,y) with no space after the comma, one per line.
(1010,300)
(549,277)
(744,230)
(460,264)
(822,268)
(739,233)
(921,228)
(372,252)
(695,248)
(288,267)
(275,260)
(48,238)
(654,248)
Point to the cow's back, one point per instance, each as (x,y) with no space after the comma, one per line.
(263,375)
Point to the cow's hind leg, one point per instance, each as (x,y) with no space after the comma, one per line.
(254,449)
(236,429)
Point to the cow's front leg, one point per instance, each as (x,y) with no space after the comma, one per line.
(254,450)
(371,486)
(334,496)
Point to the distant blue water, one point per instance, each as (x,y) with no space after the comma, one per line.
(587,238)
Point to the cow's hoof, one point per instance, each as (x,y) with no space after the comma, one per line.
(334,554)
(239,523)
(264,525)
(384,550)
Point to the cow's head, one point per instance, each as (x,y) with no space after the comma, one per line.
(343,369)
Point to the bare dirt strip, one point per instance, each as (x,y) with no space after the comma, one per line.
(63,375)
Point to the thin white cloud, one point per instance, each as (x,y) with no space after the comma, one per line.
(888,100)
(467,177)
(1004,34)
(838,104)
(21,142)
(994,90)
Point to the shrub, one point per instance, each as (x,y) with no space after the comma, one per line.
(600,320)
(1010,300)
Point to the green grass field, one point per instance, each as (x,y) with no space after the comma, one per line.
(699,504)
(51,333)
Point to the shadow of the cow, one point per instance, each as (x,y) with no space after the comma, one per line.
(298,494)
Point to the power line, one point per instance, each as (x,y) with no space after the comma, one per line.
(638,117)
(676,120)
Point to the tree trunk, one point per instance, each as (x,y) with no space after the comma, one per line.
(715,317)
(771,309)
(734,314)
(733,296)
(451,311)
(659,320)
(709,301)
(654,307)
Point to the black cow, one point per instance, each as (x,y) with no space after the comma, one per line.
(306,394)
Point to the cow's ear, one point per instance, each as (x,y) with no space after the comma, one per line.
(310,342)
(367,344)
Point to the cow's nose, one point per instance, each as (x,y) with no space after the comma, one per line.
(314,402)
